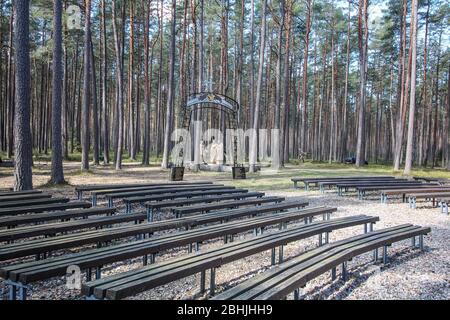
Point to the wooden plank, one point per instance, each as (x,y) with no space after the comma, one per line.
(208,199)
(171,196)
(18,193)
(25,197)
(131,185)
(55,228)
(44,208)
(34,202)
(163,191)
(223,205)
(53,216)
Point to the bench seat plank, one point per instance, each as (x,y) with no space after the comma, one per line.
(44,208)
(34,202)
(53,216)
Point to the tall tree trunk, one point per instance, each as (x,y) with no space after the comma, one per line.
(119,74)
(171,88)
(105,126)
(57,154)
(254,143)
(412,103)
(22,131)
(304,136)
(86,88)
(278,159)
(95,116)
(363,35)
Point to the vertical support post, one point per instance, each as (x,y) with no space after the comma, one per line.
(202,281)
(150,214)
(273,257)
(333,274)
(212,282)
(297,294)
(344,271)
(421,242)
(12,292)
(375,255)
(385,256)
(280,254)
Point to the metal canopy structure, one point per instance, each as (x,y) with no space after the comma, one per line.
(210,100)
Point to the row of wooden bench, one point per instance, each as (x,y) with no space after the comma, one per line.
(388,187)
(142,242)
(42,269)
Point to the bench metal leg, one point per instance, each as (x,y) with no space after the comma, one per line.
(298,294)
(89,274)
(98,273)
(421,242)
(344,271)
(273,257)
(280,254)
(320,239)
(12,293)
(333,274)
(212,282)
(375,255)
(413,242)
(94,200)
(202,282)
(327,237)
(197,246)
(385,255)
(150,215)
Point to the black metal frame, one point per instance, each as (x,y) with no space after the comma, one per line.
(210,100)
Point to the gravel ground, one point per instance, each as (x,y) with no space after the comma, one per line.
(410,274)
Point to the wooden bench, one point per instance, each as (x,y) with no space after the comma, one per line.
(308,181)
(52,229)
(280,281)
(131,283)
(385,194)
(81,189)
(361,189)
(96,194)
(19,193)
(46,246)
(34,202)
(331,184)
(172,196)
(154,207)
(25,197)
(40,218)
(44,208)
(20,275)
(203,208)
(154,192)
(412,197)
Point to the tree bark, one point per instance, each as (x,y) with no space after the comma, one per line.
(86,89)
(171,88)
(254,143)
(22,131)
(412,103)
(363,33)
(57,154)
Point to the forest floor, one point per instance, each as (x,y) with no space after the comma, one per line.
(409,274)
